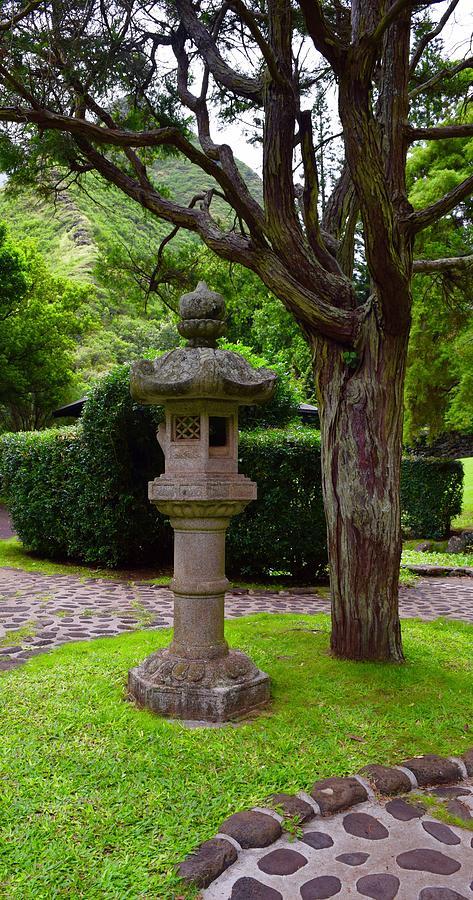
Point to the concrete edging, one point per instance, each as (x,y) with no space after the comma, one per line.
(438,571)
(260,827)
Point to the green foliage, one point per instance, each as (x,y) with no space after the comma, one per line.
(13,275)
(284,531)
(41,317)
(439,380)
(431,495)
(465,519)
(436,558)
(38,470)
(81,492)
(283,407)
(100,799)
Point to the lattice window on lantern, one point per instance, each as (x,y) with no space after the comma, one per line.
(186,428)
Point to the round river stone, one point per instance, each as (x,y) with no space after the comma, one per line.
(282,862)
(379,887)
(364,826)
(424,860)
(441,833)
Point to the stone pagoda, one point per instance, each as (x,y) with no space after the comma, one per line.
(201,387)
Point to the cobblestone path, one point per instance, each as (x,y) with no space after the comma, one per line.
(39,612)
(384,850)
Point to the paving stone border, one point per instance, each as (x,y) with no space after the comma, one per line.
(429,571)
(260,827)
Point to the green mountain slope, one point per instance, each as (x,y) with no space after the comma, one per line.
(82,223)
(95,233)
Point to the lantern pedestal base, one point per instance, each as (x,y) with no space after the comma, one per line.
(213,690)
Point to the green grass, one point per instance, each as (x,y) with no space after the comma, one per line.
(438,810)
(465,520)
(432,558)
(407,579)
(13,554)
(101,800)
(17,636)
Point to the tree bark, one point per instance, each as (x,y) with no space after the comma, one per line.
(361,412)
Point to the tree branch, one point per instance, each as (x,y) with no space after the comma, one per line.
(424,217)
(247,17)
(415,58)
(229,245)
(325,40)
(310,195)
(222,153)
(223,73)
(439,76)
(170,136)
(281,220)
(439,132)
(7,25)
(450,264)
(394,11)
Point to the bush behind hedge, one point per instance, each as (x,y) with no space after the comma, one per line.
(284,530)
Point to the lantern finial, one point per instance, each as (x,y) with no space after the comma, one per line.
(202,317)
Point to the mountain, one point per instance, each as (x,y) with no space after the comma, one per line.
(73,230)
(94,233)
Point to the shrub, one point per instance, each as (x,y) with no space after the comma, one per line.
(284,531)
(38,470)
(431,495)
(115,523)
(283,408)
(81,492)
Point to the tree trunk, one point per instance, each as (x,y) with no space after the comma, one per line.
(361,411)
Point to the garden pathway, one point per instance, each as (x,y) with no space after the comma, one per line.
(383,850)
(39,612)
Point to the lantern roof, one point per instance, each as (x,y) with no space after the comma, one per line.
(201,370)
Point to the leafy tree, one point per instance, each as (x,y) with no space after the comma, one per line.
(87,85)
(439,362)
(40,322)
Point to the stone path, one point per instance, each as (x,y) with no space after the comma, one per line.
(383,850)
(43,611)
(6,529)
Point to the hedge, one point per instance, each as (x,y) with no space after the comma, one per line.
(431,495)
(284,530)
(81,492)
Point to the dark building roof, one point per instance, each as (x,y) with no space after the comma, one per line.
(309,414)
(73,410)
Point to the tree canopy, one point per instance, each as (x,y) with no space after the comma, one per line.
(41,318)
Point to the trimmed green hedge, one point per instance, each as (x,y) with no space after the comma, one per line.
(81,492)
(284,530)
(431,495)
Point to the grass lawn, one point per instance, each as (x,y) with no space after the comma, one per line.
(465,520)
(14,555)
(100,800)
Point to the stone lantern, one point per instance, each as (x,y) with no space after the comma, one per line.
(201,387)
